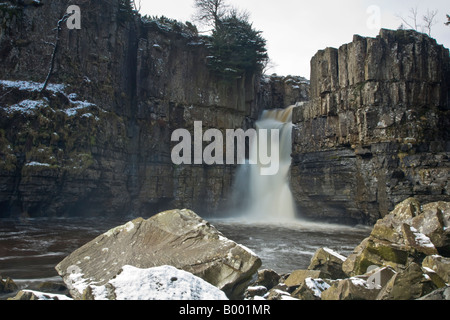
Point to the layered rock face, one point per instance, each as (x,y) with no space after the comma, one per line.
(376,130)
(142,80)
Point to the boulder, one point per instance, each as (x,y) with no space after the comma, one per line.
(353,288)
(438,264)
(404,235)
(329,263)
(373,251)
(158,283)
(177,238)
(267,278)
(298,277)
(37,295)
(310,289)
(411,283)
(439,294)
(7,286)
(434,222)
(253,291)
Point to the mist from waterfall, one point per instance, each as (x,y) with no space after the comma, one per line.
(267,198)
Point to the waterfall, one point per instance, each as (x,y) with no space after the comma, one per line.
(267,198)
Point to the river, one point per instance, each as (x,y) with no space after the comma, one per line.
(31,248)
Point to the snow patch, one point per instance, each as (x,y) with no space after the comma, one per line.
(334,253)
(317,286)
(421,239)
(26,106)
(159,283)
(31,86)
(36,164)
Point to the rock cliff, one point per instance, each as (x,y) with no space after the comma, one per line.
(100,142)
(376,130)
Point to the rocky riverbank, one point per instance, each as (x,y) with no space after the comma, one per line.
(177,255)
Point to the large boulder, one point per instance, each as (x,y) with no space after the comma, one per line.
(297,277)
(351,289)
(158,283)
(412,283)
(177,238)
(438,264)
(7,286)
(410,232)
(311,289)
(328,262)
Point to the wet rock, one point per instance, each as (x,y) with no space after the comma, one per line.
(7,285)
(177,238)
(328,262)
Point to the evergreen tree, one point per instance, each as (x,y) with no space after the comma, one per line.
(236,48)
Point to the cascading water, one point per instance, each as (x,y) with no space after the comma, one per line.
(267,197)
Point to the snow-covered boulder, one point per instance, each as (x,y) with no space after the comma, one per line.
(158,283)
(178,238)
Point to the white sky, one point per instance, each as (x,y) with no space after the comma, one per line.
(296,29)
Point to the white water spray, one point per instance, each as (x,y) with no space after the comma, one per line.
(267,198)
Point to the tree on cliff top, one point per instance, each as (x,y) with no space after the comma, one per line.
(235,47)
(412,21)
(210,12)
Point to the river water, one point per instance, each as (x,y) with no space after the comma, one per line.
(31,248)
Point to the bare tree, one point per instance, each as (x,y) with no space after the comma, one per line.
(136,5)
(429,20)
(55,49)
(413,21)
(210,12)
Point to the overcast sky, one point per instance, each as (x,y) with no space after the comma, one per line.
(296,29)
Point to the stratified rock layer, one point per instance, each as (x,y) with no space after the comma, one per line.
(376,130)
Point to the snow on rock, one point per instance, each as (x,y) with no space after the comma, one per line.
(158,283)
(36,164)
(26,106)
(335,254)
(317,286)
(31,86)
(421,239)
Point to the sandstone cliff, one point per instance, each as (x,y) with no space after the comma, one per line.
(376,130)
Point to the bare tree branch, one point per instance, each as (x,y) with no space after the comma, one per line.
(429,20)
(210,12)
(55,49)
